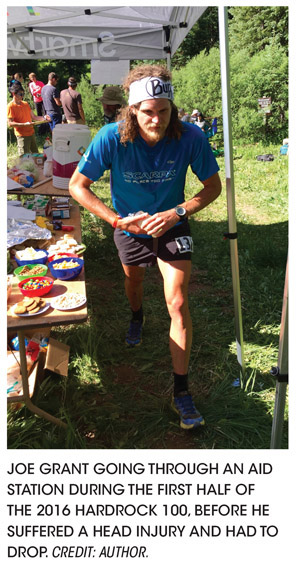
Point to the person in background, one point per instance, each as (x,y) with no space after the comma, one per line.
(200,121)
(35,87)
(51,100)
(16,79)
(72,103)
(193,117)
(112,101)
(20,116)
(183,116)
(149,151)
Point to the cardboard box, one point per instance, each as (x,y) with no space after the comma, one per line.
(60,213)
(57,358)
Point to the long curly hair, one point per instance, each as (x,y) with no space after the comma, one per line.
(128,126)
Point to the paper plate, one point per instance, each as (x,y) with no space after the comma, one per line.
(38,122)
(47,305)
(68,301)
(81,251)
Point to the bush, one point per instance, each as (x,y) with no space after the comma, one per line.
(92,107)
(198,85)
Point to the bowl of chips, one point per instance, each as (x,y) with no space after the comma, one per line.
(35,286)
(28,271)
(66,268)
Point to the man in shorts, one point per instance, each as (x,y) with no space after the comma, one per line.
(149,152)
(72,103)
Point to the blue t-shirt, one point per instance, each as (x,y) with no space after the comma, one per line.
(147,178)
(48,93)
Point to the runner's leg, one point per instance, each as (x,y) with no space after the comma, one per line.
(134,277)
(176,275)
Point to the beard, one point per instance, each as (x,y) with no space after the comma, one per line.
(154,134)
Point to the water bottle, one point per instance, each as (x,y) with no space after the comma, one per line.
(47,149)
(140,221)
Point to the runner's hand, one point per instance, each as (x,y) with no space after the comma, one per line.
(160,222)
(131,223)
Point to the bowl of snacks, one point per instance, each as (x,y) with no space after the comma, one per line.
(66,269)
(28,271)
(35,286)
(31,256)
(60,255)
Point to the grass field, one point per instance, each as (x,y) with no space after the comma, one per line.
(116,398)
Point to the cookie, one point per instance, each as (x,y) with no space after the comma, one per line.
(34,310)
(20,309)
(42,303)
(32,306)
(28,301)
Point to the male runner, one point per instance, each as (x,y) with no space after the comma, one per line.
(148,152)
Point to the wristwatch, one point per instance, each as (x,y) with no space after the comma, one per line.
(181,213)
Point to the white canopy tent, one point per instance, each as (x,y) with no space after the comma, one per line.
(120,33)
(98,32)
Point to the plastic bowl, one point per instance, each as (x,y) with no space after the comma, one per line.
(37,291)
(39,261)
(59,254)
(17,271)
(66,274)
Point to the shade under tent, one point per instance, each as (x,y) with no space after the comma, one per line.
(124,33)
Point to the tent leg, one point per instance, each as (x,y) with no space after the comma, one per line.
(281,371)
(169,61)
(228,156)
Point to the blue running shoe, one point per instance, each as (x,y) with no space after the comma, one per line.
(190,418)
(134,334)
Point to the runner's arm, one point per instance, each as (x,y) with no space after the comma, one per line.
(167,219)
(79,188)
(81,111)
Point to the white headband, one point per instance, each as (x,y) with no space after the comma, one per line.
(148,88)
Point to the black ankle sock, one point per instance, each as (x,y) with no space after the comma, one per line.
(137,315)
(180,383)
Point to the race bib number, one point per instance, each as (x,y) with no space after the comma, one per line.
(184,244)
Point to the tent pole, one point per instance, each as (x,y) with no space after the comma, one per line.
(281,372)
(227,133)
(168,63)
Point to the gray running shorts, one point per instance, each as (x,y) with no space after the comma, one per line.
(175,245)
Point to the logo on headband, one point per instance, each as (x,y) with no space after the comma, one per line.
(156,88)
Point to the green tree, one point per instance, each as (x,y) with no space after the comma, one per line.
(203,35)
(254,27)
(63,67)
(198,85)
(264,74)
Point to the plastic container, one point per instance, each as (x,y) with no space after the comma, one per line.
(38,291)
(40,260)
(47,149)
(28,275)
(69,144)
(284,149)
(66,274)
